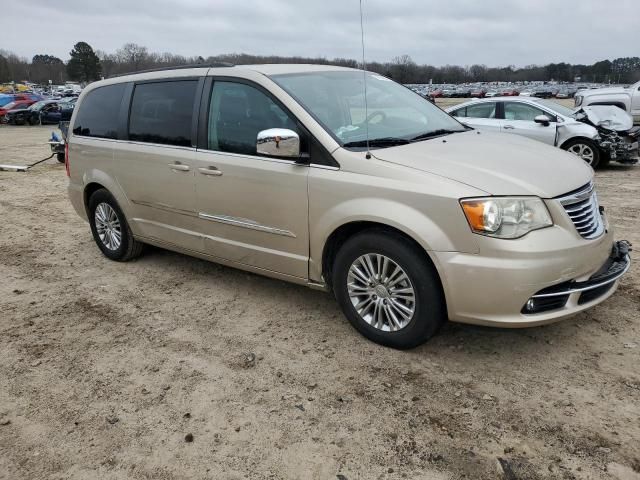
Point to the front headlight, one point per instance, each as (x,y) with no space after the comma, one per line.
(506,217)
(578,100)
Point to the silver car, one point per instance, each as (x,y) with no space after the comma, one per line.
(535,118)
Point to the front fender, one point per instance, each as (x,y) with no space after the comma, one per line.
(573,130)
(414,223)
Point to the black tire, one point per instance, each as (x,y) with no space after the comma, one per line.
(577,142)
(429,309)
(605,159)
(129,248)
(60,157)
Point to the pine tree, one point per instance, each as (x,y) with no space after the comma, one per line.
(84,65)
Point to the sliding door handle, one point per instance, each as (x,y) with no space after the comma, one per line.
(179,167)
(213,171)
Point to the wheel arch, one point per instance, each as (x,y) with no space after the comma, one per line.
(89,190)
(579,137)
(349,229)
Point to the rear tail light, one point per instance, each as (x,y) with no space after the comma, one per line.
(66,158)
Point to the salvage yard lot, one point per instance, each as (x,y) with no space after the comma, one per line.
(106,368)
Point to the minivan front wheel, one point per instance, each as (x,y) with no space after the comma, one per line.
(110,229)
(388,289)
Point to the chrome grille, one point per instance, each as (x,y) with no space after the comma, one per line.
(583,210)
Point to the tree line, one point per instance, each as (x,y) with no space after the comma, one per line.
(86,65)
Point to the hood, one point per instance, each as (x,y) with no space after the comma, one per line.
(606,116)
(599,91)
(498,164)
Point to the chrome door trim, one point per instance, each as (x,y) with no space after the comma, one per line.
(165,207)
(266,159)
(246,223)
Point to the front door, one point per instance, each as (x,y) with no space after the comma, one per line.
(519,119)
(252,209)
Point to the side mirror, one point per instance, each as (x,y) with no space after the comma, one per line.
(542,120)
(278,142)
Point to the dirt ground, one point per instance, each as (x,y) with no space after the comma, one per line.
(170,367)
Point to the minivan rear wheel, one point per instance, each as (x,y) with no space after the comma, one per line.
(388,289)
(110,229)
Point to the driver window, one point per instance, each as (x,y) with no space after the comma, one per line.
(237,113)
(521,111)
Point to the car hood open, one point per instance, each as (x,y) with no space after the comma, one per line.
(495,163)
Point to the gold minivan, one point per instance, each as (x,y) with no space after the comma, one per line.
(409,217)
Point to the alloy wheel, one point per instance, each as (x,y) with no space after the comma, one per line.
(108,226)
(583,151)
(381,292)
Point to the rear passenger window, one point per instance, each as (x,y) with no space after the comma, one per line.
(161,112)
(98,113)
(482,110)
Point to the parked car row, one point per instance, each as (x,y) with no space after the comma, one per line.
(482,90)
(21,109)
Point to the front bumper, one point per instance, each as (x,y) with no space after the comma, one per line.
(622,148)
(580,293)
(495,288)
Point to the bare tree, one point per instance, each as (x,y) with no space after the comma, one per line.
(133,56)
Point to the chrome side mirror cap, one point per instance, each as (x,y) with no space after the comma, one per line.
(543,120)
(278,142)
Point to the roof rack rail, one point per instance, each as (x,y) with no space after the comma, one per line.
(178,67)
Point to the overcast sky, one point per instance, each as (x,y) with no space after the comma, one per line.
(458,32)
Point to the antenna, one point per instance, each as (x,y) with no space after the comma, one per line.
(364,77)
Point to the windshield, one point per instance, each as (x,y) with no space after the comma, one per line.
(10,106)
(37,106)
(336,100)
(556,107)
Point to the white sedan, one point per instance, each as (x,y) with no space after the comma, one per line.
(536,118)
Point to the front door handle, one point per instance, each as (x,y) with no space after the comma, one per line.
(210,171)
(509,127)
(179,167)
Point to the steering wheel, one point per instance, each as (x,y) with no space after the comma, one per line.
(377,113)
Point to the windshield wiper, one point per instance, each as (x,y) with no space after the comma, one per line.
(379,142)
(434,133)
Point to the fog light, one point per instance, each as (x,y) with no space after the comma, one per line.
(530,306)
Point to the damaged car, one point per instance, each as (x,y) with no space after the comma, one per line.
(597,134)
(618,137)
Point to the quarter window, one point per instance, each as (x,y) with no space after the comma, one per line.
(162,112)
(237,113)
(98,114)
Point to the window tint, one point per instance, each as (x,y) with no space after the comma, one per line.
(98,114)
(237,113)
(521,111)
(482,110)
(162,112)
